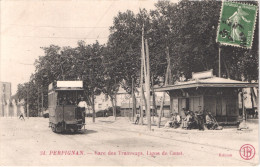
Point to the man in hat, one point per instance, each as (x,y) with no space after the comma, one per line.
(82,106)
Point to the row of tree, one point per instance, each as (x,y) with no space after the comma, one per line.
(180,35)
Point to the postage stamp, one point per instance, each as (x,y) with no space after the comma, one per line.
(237,24)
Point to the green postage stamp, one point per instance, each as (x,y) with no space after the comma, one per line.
(237,24)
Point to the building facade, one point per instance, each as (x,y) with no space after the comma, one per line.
(5,96)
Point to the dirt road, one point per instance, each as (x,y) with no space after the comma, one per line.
(109,142)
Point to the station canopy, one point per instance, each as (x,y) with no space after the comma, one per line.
(206,79)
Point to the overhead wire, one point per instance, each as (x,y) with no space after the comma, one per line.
(28,36)
(101,18)
(50,26)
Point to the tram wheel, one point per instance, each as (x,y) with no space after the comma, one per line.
(53,128)
(58,128)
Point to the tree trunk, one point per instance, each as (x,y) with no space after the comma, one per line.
(115,102)
(93,108)
(154,102)
(134,104)
(252,98)
(170,67)
(166,83)
(113,106)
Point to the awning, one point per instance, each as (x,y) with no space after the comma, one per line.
(208,82)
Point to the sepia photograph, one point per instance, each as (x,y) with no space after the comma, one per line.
(129,83)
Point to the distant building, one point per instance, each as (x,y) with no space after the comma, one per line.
(102,102)
(124,101)
(5,96)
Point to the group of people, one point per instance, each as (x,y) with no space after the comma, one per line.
(193,120)
(174,122)
(64,100)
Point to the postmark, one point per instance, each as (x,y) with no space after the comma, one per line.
(247,151)
(237,24)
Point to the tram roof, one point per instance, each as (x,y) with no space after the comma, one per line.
(66,85)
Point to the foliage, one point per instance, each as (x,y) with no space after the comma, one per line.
(187,28)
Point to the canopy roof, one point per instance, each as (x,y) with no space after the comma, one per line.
(208,82)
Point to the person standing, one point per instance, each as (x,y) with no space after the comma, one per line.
(21,116)
(137,118)
(200,117)
(82,107)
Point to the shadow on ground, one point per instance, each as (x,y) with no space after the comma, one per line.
(109,122)
(82,132)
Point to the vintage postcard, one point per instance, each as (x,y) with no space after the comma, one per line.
(129,83)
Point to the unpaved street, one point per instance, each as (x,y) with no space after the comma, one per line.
(109,142)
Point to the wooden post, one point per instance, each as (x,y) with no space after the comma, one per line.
(133,114)
(147,84)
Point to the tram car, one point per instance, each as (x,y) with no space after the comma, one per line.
(64,115)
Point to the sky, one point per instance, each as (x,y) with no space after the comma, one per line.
(27,25)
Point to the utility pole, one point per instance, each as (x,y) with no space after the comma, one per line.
(154,102)
(143,75)
(219,60)
(243,124)
(141,96)
(147,85)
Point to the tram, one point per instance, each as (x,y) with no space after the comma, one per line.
(64,115)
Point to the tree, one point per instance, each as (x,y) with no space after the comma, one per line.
(90,70)
(112,76)
(190,28)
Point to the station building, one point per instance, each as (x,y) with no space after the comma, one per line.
(213,94)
